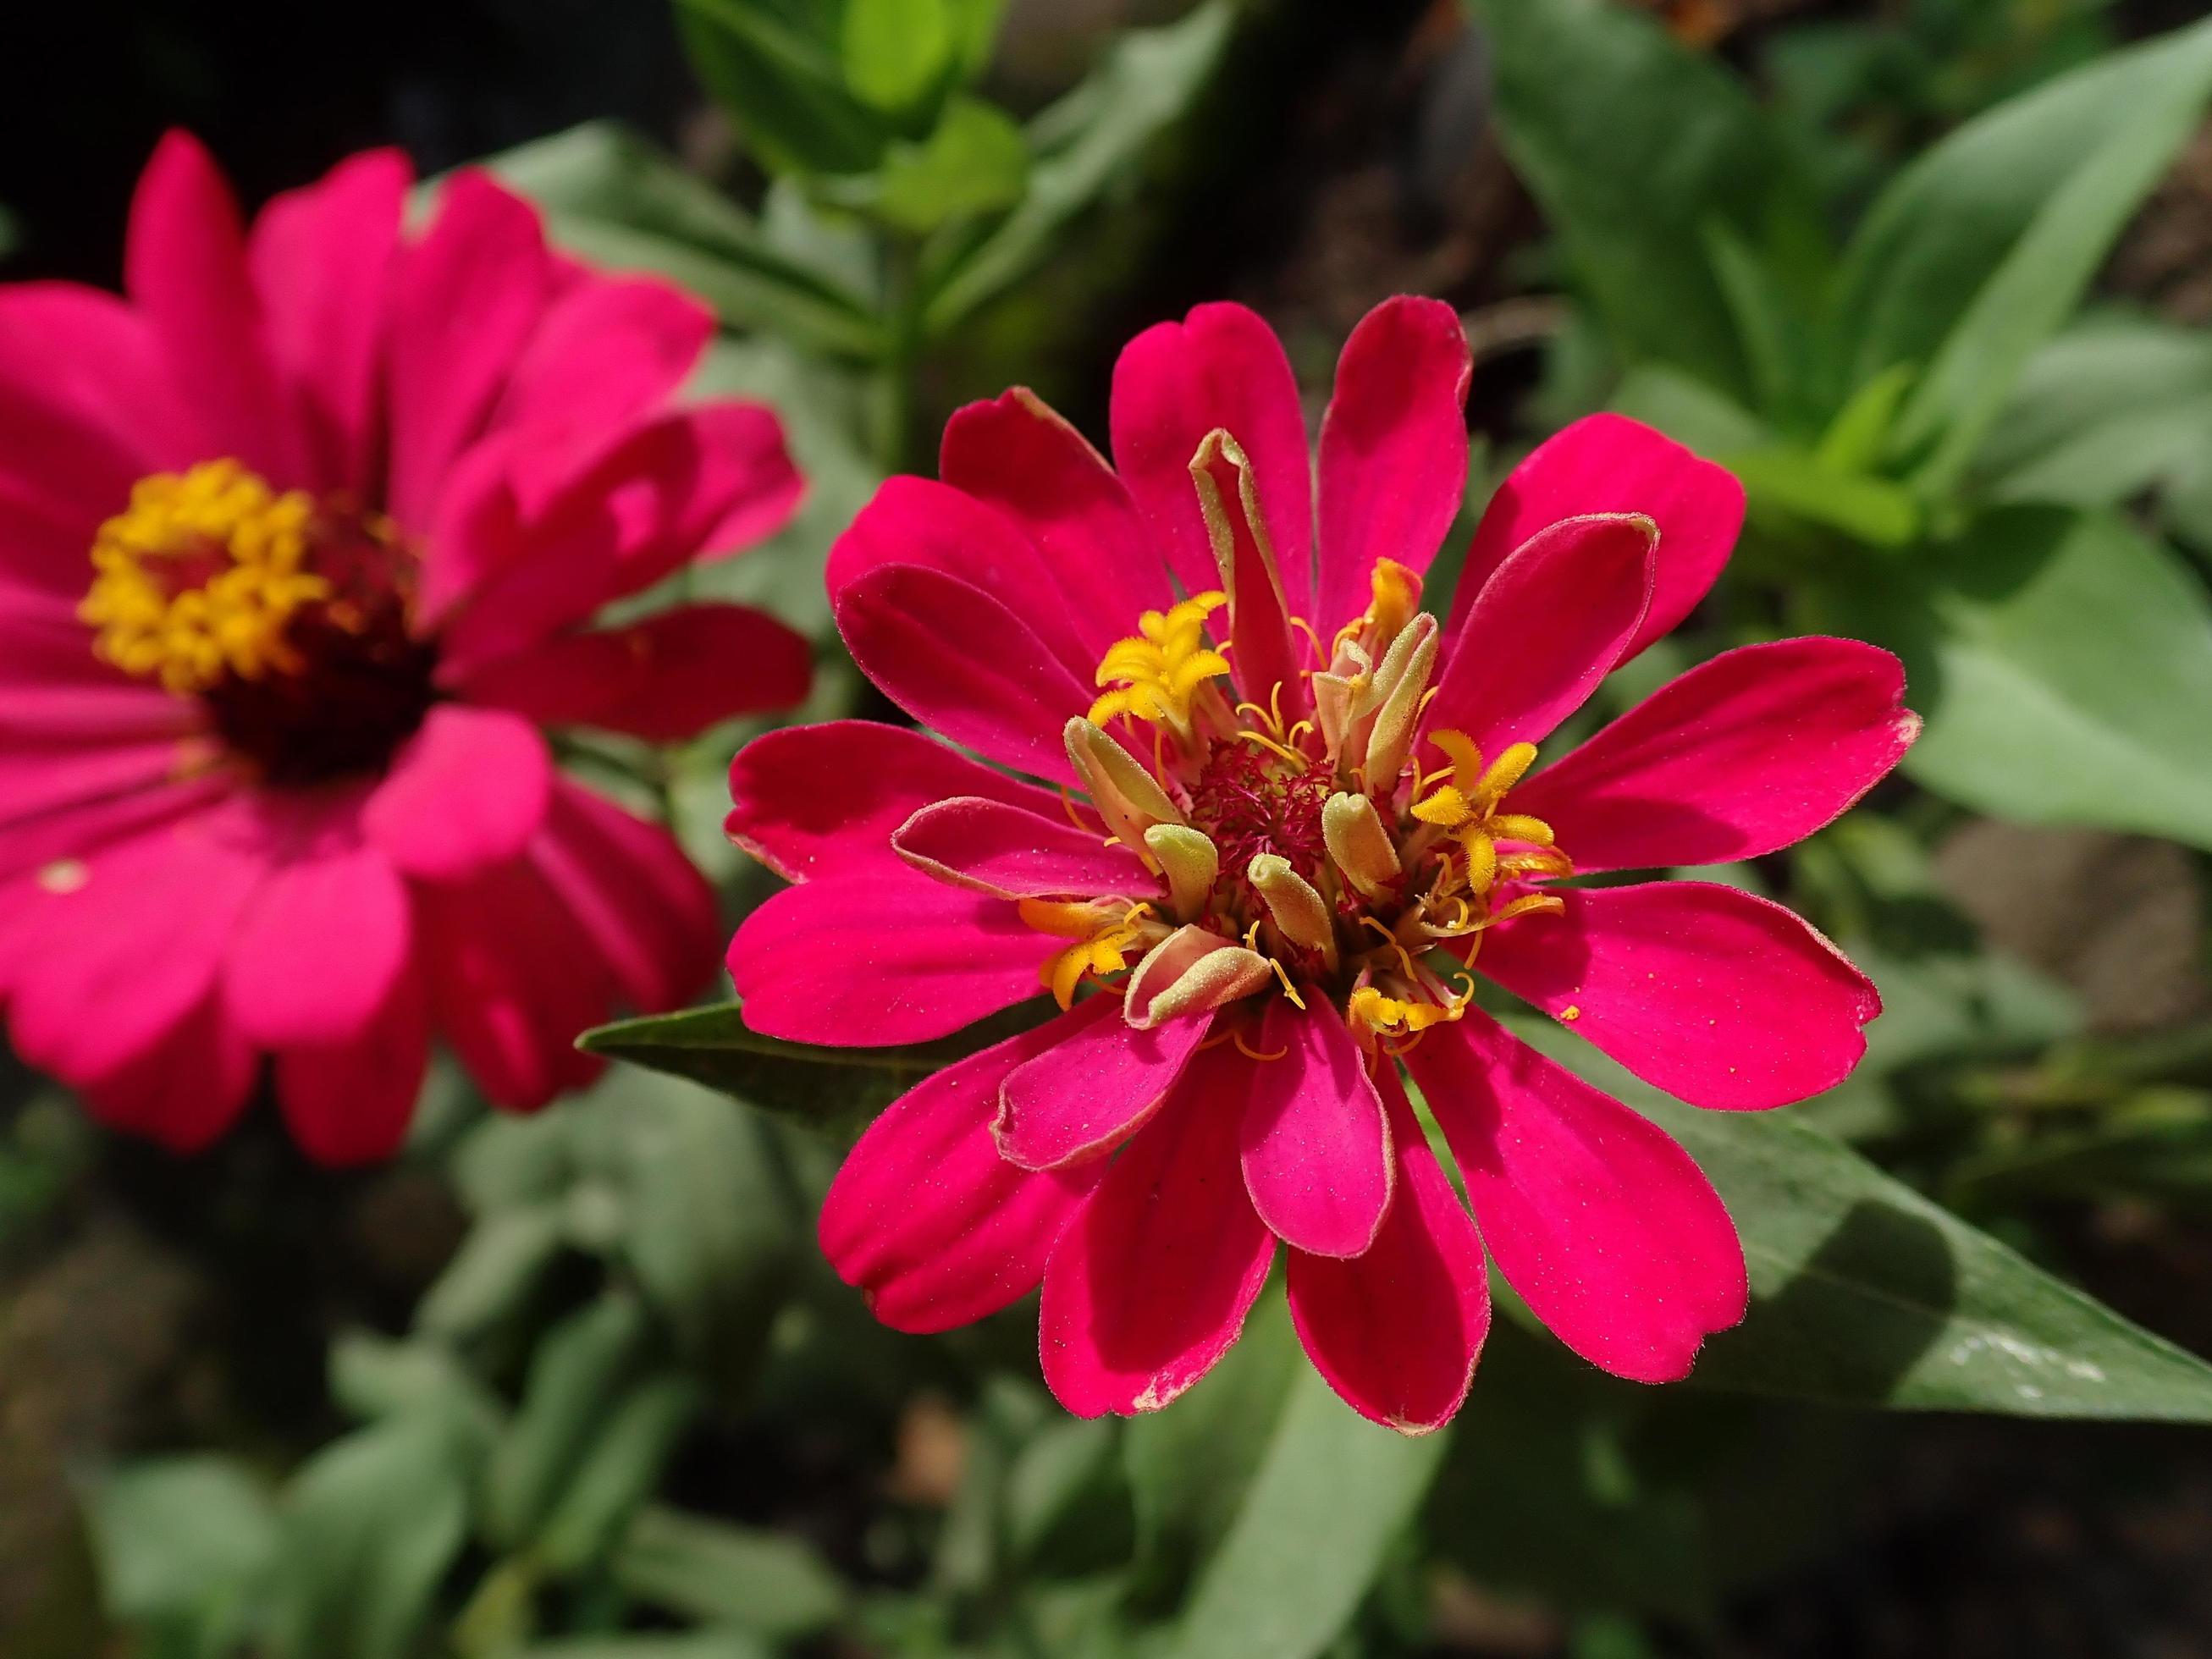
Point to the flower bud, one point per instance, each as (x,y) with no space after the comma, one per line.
(1359,844)
(1192,864)
(1297,909)
(1193,970)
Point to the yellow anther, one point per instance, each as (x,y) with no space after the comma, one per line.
(1100,947)
(1519,826)
(1398,1016)
(1154,675)
(1397,596)
(199,578)
(1508,769)
(1447,809)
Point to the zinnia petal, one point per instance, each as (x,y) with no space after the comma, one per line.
(1081,1098)
(467,791)
(1151,1284)
(1721,998)
(1744,755)
(1315,1145)
(927,1220)
(352,1102)
(990,847)
(1601,1222)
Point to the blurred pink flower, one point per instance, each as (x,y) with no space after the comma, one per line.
(300,545)
(1276,850)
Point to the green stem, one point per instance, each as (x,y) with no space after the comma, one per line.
(891,391)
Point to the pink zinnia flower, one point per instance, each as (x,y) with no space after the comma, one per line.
(300,545)
(1279,820)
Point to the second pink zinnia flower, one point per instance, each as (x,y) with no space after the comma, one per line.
(1282,814)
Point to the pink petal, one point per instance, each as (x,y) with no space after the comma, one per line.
(880,957)
(684,486)
(1744,755)
(351,1103)
(101,968)
(88,403)
(913,522)
(1725,999)
(513,981)
(322,259)
(1397,1331)
(1609,464)
(1549,626)
(963,665)
(649,915)
(50,775)
(811,800)
(1315,1147)
(184,1087)
(184,268)
(1083,1097)
(467,791)
(1392,449)
(1606,1228)
(64,836)
(317,953)
(1268,653)
(664,679)
(1176,382)
(609,350)
(990,847)
(1151,1281)
(1015,453)
(467,297)
(926,1221)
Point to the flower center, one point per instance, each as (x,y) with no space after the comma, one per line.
(287,616)
(1342,855)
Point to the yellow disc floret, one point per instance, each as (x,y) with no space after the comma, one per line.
(197,579)
(1154,675)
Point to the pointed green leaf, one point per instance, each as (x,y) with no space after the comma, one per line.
(770,1583)
(975,162)
(1865,1293)
(1333,1492)
(896,51)
(776,67)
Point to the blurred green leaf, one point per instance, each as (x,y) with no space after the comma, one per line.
(896,51)
(1798,485)
(1689,412)
(1082,145)
(577,1374)
(373,1376)
(2115,405)
(371,1525)
(2064,663)
(975,162)
(621,1467)
(612,198)
(829,1088)
(1859,434)
(1865,1293)
(183,1546)
(1640,151)
(769,1584)
(691,1645)
(1067,1507)
(703,1221)
(777,68)
(2032,291)
(1924,256)
(1331,1496)
(500,1262)
(1189,1468)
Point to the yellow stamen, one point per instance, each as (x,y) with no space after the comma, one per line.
(1102,942)
(199,578)
(1153,676)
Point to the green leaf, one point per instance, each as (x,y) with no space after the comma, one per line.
(576,1375)
(2042,278)
(833,1088)
(704,1224)
(371,1524)
(1931,243)
(625,1463)
(1081,145)
(1865,1293)
(612,198)
(1331,1495)
(491,1276)
(1689,412)
(896,51)
(777,68)
(2117,405)
(1639,151)
(182,1543)
(1797,485)
(1856,438)
(2064,663)
(768,1582)
(975,162)
(1188,1468)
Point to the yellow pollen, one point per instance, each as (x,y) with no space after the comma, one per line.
(1102,942)
(1399,1016)
(1468,806)
(197,579)
(1153,675)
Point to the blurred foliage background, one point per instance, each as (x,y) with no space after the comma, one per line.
(1935,276)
